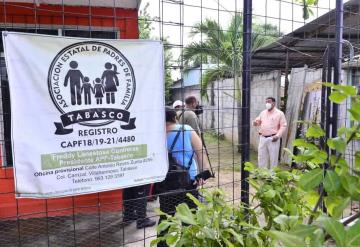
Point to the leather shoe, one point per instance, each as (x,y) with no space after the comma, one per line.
(145,223)
(128,220)
(126,223)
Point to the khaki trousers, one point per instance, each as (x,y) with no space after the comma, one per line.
(268,152)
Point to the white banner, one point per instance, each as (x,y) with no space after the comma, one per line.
(87,115)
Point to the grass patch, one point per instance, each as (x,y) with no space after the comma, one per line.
(223,153)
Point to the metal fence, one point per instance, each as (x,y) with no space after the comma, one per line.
(243,51)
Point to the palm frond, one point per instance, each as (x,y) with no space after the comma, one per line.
(224,47)
(213,74)
(209,28)
(199,52)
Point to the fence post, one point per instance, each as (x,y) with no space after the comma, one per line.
(338,59)
(245,107)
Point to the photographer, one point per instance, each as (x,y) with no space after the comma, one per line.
(185,146)
(189,114)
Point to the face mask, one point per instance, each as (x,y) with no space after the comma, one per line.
(268,106)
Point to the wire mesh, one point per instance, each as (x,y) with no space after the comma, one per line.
(203,54)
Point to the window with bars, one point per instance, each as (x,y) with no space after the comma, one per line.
(355,78)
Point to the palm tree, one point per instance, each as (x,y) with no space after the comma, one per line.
(224,48)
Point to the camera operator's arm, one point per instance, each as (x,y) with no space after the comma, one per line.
(201,158)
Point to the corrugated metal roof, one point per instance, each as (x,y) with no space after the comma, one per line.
(307,44)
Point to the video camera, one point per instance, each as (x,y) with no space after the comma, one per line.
(198,109)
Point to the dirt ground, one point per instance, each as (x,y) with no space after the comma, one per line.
(226,161)
(105,228)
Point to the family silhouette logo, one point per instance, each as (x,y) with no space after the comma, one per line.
(92,84)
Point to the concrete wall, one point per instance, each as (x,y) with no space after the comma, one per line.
(263,86)
(304,93)
(222,117)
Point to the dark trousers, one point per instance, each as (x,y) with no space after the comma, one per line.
(135,201)
(169,202)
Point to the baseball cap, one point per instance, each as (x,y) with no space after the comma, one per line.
(177,103)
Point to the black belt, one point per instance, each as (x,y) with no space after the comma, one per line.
(267,136)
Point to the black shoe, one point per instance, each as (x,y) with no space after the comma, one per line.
(126,223)
(128,220)
(145,223)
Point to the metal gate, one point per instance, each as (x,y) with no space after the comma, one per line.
(230,55)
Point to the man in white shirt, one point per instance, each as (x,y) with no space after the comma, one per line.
(272,125)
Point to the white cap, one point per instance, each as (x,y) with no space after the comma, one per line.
(178,103)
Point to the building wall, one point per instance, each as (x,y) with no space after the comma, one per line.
(222,116)
(58,16)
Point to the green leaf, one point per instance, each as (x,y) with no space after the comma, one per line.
(155,242)
(171,239)
(331,181)
(319,157)
(183,241)
(201,216)
(237,236)
(209,233)
(317,239)
(337,97)
(227,242)
(334,228)
(346,89)
(339,209)
(301,158)
(357,158)
(194,200)
(355,110)
(306,13)
(314,131)
(311,198)
(161,213)
(303,231)
(336,205)
(312,2)
(249,167)
(287,239)
(184,214)
(287,222)
(337,144)
(163,226)
(303,143)
(310,180)
(355,115)
(353,235)
(288,151)
(269,194)
(349,183)
(328,84)
(339,163)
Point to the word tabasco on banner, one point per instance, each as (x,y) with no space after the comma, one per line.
(87,115)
